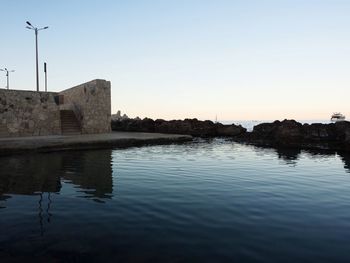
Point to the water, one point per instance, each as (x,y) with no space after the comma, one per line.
(206,201)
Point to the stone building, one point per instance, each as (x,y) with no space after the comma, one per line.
(84,109)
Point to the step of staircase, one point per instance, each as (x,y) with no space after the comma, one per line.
(69,123)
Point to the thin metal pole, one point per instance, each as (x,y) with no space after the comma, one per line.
(37,63)
(8,81)
(30,26)
(45,70)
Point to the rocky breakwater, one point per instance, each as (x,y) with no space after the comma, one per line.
(289,133)
(192,127)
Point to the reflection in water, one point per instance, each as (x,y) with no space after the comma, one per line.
(346,159)
(26,175)
(41,175)
(221,201)
(89,171)
(290,156)
(41,212)
(3,198)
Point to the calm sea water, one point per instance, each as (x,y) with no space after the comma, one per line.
(206,201)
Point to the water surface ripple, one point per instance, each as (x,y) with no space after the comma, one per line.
(205,201)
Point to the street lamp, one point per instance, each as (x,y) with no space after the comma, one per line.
(7,75)
(36,49)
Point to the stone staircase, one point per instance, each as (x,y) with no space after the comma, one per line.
(69,123)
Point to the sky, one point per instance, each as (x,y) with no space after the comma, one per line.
(175,59)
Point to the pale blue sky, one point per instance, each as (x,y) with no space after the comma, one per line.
(238,59)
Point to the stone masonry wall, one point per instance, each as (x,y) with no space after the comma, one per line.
(28,113)
(91,103)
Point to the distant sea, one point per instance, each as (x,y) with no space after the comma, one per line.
(249,124)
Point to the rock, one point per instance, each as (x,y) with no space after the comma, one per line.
(192,127)
(343,134)
(318,132)
(286,133)
(229,130)
(290,133)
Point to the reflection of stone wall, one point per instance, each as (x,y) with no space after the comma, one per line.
(27,113)
(91,103)
(28,174)
(89,171)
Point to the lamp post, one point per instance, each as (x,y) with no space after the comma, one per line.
(7,75)
(45,71)
(36,30)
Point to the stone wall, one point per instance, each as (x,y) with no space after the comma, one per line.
(28,113)
(91,103)
(31,113)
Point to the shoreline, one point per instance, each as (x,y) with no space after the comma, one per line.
(39,144)
(131,133)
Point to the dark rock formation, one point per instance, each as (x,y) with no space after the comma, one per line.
(279,132)
(289,133)
(192,127)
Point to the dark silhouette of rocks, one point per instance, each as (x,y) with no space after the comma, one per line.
(289,133)
(192,127)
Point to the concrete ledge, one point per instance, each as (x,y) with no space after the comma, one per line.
(17,145)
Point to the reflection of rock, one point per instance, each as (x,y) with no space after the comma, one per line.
(29,174)
(289,155)
(346,159)
(192,127)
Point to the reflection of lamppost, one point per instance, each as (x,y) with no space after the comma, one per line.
(41,210)
(36,49)
(7,75)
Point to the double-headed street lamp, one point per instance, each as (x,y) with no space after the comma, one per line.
(7,75)
(36,48)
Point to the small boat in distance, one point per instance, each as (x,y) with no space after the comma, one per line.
(337,116)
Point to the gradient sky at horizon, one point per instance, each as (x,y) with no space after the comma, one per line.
(239,60)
